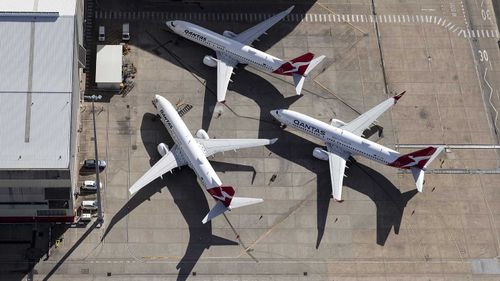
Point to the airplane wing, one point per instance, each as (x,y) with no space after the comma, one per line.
(169,161)
(225,66)
(337,159)
(249,35)
(212,146)
(358,125)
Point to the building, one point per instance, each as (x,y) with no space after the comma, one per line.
(108,70)
(39,108)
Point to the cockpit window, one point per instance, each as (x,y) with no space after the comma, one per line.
(172,24)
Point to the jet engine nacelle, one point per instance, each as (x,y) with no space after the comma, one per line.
(228,34)
(162,149)
(337,123)
(202,134)
(320,154)
(209,61)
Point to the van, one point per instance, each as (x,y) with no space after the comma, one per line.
(90,186)
(102,35)
(89,205)
(126,32)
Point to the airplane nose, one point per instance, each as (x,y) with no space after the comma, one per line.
(171,24)
(275,113)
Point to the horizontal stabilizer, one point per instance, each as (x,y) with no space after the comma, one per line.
(298,80)
(313,64)
(243,201)
(236,202)
(217,210)
(436,153)
(418,176)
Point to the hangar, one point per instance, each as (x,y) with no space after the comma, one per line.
(39,108)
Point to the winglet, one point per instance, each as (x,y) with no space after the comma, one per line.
(397,97)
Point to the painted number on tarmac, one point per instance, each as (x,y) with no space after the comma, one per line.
(485,14)
(483,55)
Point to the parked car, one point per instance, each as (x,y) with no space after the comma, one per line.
(86,217)
(126,32)
(90,164)
(102,35)
(89,205)
(90,185)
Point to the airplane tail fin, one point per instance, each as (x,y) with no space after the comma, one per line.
(299,68)
(226,202)
(417,162)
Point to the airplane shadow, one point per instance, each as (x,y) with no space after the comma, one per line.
(389,200)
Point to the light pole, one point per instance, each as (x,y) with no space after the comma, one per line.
(100,218)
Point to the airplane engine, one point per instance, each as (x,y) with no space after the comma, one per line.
(162,149)
(337,123)
(202,134)
(209,61)
(320,154)
(229,34)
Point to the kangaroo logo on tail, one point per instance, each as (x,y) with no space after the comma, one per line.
(415,159)
(223,194)
(296,66)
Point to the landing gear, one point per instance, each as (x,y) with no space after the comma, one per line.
(282,126)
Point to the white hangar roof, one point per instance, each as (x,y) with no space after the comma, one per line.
(37,57)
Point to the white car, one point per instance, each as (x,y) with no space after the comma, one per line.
(89,205)
(126,32)
(90,185)
(86,217)
(102,34)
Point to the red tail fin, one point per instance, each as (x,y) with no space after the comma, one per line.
(223,194)
(415,159)
(296,66)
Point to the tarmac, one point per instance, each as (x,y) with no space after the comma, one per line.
(384,230)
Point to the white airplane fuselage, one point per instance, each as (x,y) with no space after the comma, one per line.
(244,54)
(342,139)
(189,147)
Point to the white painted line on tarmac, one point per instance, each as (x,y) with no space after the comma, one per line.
(258,17)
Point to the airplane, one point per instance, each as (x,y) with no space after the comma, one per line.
(232,49)
(193,151)
(345,139)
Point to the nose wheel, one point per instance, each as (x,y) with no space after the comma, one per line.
(282,126)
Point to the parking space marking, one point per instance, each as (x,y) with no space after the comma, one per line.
(310,18)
